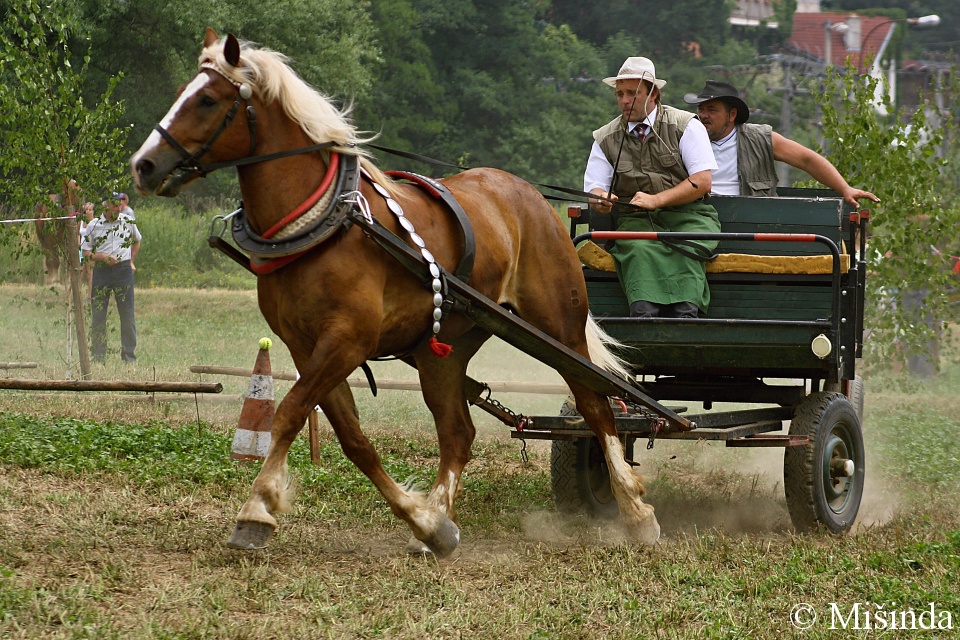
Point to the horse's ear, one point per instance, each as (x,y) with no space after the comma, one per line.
(231,50)
(210,37)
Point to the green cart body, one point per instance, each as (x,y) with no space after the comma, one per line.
(786,342)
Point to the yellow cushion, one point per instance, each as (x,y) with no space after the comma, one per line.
(593,256)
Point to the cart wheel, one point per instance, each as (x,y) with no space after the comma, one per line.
(579,476)
(856,395)
(823,481)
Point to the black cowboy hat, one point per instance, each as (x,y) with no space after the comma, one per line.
(714,90)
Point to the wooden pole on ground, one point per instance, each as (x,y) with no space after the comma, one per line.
(238,371)
(110,385)
(18,365)
(503,386)
(313,422)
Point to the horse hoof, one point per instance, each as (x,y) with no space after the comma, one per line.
(417,548)
(445,539)
(250,536)
(647,532)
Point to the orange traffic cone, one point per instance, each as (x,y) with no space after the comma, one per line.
(252,439)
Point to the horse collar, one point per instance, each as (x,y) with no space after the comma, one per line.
(310,224)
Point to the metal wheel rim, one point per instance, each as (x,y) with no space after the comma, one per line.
(837,491)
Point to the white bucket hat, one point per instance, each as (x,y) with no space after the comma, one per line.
(636,68)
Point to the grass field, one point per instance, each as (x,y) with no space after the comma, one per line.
(113,513)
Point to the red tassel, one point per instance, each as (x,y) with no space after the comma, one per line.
(440,349)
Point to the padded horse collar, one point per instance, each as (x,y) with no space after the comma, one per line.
(347,181)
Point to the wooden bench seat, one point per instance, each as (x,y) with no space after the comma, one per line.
(769,300)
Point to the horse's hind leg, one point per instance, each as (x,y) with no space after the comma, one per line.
(637,516)
(442,383)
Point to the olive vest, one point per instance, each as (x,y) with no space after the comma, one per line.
(651,165)
(755,165)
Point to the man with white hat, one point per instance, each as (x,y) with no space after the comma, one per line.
(746,152)
(663,166)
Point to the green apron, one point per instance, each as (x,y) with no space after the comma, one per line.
(650,270)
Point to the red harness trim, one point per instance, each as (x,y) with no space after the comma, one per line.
(262,268)
(309,202)
(412,177)
(269,266)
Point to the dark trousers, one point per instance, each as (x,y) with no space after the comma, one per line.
(644,309)
(116,280)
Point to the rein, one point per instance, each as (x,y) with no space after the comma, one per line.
(442,163)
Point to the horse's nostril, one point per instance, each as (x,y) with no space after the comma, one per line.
(145,167)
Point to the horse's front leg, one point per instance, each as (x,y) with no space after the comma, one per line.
(428,522)
(269,495)
(442,381)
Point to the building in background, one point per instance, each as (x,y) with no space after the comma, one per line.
(753,13)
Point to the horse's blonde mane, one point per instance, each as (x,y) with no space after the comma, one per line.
(269,75)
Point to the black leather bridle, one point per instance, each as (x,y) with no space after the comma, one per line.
(191,161)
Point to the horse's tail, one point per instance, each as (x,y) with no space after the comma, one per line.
(599,344)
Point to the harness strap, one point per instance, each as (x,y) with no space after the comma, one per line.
(240,162)
(192,160)
(439,191)
(415,156)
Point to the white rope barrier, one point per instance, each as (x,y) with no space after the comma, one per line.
(32,219)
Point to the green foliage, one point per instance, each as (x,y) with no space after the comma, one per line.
(174,251)
(667,29)
(912,225)
(51,131)
(486,84)
(916,452)
(147,453)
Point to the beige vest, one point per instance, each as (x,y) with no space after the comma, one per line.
(755,165)
(651,165)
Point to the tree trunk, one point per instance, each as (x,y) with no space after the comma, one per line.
(73,281)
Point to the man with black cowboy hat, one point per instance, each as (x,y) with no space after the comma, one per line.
(663,166)
(746,152)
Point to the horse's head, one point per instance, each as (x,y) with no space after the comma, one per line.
(206,124)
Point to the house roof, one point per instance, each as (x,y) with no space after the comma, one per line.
(809,35)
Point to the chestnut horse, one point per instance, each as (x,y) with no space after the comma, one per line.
(347,301)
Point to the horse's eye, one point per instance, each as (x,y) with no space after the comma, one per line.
(207,101)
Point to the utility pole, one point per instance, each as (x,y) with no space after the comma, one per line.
(788,91)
